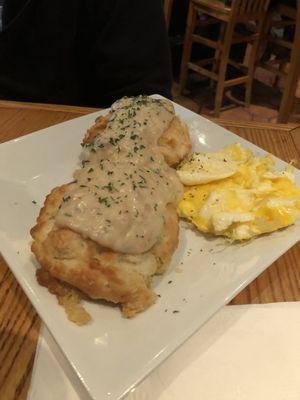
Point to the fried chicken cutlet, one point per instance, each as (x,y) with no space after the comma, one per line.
(115,226)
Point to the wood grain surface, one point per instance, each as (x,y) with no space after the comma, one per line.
(19,323)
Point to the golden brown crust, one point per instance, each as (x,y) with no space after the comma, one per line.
(93,131)
(68,297)
(175,143)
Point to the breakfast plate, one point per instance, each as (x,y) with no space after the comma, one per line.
(112,354)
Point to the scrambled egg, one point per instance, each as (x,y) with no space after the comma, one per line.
(236,194)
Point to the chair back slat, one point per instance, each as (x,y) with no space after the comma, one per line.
(168,8)
(250,6)
(241,8)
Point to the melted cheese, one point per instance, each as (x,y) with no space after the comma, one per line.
(120,194)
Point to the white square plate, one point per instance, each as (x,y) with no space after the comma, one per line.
(112,354)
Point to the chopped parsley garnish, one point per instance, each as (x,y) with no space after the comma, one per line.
(104,200)
(109,187)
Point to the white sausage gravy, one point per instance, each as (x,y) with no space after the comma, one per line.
(120,194)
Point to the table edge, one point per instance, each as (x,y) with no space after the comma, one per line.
(46,107)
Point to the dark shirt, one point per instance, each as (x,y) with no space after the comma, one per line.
(87,52)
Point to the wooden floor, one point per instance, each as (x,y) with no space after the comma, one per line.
(258,111)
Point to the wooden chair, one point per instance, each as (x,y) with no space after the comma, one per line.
(290,17)
(228,16)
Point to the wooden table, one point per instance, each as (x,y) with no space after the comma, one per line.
(19,323)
